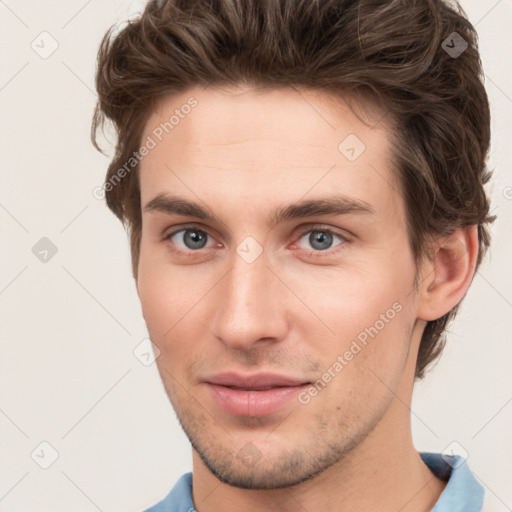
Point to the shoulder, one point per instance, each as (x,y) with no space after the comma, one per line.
(179,498)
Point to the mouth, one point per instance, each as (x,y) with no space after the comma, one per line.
(254,388)
(253,395)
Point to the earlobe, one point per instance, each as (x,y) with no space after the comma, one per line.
(447,274)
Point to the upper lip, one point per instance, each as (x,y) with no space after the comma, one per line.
(256,381)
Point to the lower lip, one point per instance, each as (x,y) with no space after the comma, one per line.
(240,402)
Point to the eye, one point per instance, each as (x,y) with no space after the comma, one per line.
(320,239)
(188,239)
(193,239)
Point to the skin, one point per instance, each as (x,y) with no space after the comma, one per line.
(243,154)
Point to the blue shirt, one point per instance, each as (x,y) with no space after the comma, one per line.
(463,493)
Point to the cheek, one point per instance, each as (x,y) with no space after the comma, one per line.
(174,300)
(162,294)
(350,300)
(369,315)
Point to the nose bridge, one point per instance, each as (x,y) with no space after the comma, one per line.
(249,309)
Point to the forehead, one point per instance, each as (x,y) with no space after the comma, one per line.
(240,141)
(243,112)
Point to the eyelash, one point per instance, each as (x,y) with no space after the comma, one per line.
(311,252)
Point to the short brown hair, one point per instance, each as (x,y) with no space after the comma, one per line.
(394,51)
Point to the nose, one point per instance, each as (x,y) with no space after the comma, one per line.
(251,305)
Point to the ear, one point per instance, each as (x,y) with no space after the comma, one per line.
(447,273)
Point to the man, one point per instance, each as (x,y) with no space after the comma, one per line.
(303,182)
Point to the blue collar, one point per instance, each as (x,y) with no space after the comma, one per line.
(463,493)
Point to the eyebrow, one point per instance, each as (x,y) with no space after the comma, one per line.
(330,205)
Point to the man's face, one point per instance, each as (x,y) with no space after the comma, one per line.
(284,338)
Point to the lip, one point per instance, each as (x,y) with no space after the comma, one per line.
(253,395)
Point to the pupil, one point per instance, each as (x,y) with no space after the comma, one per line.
(321,240)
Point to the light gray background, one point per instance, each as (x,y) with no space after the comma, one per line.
(69,326)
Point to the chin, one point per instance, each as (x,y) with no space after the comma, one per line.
(246,470)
